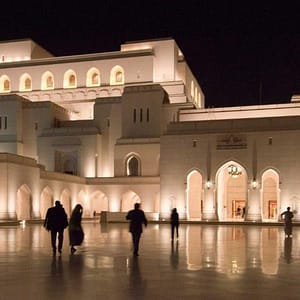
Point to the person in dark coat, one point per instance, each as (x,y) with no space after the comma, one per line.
(56,221)
(174,223)
(137,218)
(75,229)
(287,216)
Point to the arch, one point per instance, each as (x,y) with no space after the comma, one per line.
(133,165)
(93,77)
(46,201)
(128,199)
(194,192)
(70,79)
(82,199)
(65,200)
(24,205)
(117,75)
(270,195)
(99,202)
(4,84)
(47,81)
(231,184)
(25,83)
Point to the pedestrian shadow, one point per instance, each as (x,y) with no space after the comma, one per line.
(288,249)
(137,286)
(174,257)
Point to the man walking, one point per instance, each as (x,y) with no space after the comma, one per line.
(56,221)
(137,218)
(287,216)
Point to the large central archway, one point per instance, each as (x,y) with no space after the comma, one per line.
(231,191)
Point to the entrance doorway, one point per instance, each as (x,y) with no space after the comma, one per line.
(238,208)
(272,209)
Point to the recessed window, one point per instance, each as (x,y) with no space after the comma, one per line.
(3,122)
(117,75)
(70,80)
(25,83)
(4,84)
(93,77)
(132,166)
(47,81)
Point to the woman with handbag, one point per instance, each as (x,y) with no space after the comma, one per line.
(75,229)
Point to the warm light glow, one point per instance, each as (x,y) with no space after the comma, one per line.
(208,184)
(254,184)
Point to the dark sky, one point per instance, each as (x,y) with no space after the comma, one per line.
(241,53)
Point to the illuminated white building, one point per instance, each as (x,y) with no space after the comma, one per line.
(110,129)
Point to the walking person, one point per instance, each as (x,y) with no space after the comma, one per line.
(76,234)
(174,223)
(137,218)
(56,221)
(287,216)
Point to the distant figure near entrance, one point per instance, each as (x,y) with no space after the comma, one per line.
(287,216)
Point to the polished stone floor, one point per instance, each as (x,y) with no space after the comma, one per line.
(206,262)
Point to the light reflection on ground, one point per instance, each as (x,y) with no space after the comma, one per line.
(211,261)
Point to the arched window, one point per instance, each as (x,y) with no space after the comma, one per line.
(117,75)
(93,77)
(25,83)
(4,84)
(70,80)
(47,81)
(133,166)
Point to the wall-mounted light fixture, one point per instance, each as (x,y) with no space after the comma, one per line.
(208,184)
(234,171)
(254,184)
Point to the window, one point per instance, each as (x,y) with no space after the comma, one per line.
(132,166)
(117,75)
(3,123)
(70,80)
(141,115)
(25,83)
(4,84)
(148,115)
(134,116)
(93,77)
(47,81)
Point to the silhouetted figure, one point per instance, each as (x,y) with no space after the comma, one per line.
(174,223)
(287,216)
(244,212)
(137,218)
(76,234)
(56,221)
(238,211)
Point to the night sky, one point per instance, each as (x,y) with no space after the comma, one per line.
(241,53)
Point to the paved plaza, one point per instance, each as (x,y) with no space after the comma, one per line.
(206,262)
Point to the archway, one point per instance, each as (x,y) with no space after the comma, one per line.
(65,200)
(231,191)
(128,200)
(46,201)
(270,192)
(99,202)
(194,192)
(23,205)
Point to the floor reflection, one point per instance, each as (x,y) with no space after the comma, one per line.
(233,249)
(104,265)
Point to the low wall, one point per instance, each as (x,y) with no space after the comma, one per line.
(107,216)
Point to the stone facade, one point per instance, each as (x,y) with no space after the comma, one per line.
(110,129)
